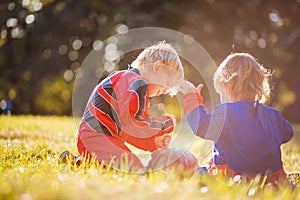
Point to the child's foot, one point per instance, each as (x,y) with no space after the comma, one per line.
(67,156)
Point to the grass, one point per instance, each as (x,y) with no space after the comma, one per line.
(30,146)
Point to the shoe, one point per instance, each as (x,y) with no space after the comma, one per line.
(67,157)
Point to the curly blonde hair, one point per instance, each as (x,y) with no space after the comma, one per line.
(241,77)
(161,54)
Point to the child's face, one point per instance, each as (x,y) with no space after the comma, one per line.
(159,83)
(156,90)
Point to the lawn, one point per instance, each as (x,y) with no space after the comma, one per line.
(30,146)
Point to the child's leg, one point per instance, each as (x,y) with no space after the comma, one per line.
(203,169)
(67,156)
(178,159)
(106,149)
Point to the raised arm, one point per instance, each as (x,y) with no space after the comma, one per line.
(203,124)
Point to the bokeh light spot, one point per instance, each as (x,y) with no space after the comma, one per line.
(12,93)
(68,75)
(3,104)
(188,39)
(62,49)
(17,32)
(109,66)
(111,47)
(75,65)
(262,43)
(25,3)
(11,22)
(26,75)
(253,35)
(112,40)
(275,18)
(121,29)
(97,45)
(77,44)
(47,53)
(119,17)
(286,96)
(73,55)
(11,6)
(3,33)
(60,6)
(29,19)
(37,6)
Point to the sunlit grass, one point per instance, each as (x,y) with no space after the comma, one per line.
(30,146)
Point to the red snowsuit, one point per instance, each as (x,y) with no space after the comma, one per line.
(118,112)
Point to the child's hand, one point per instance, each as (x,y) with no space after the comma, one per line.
(163,141)
(173,118)
(185,87)
(199,88)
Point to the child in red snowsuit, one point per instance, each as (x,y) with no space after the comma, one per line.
(118,109)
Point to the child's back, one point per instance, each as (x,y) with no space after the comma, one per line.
(251,138)
(247,134)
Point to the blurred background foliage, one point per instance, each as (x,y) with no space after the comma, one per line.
(44,42)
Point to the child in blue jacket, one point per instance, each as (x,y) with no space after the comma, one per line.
(247,134)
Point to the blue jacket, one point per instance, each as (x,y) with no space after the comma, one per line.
(247,136)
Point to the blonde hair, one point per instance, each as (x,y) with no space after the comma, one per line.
(241,77)
(161,54)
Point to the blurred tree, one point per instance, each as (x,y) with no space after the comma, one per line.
(44,42)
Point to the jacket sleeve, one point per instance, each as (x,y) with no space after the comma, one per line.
(146,144)
(288,131)
(139,126)
(205,125)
